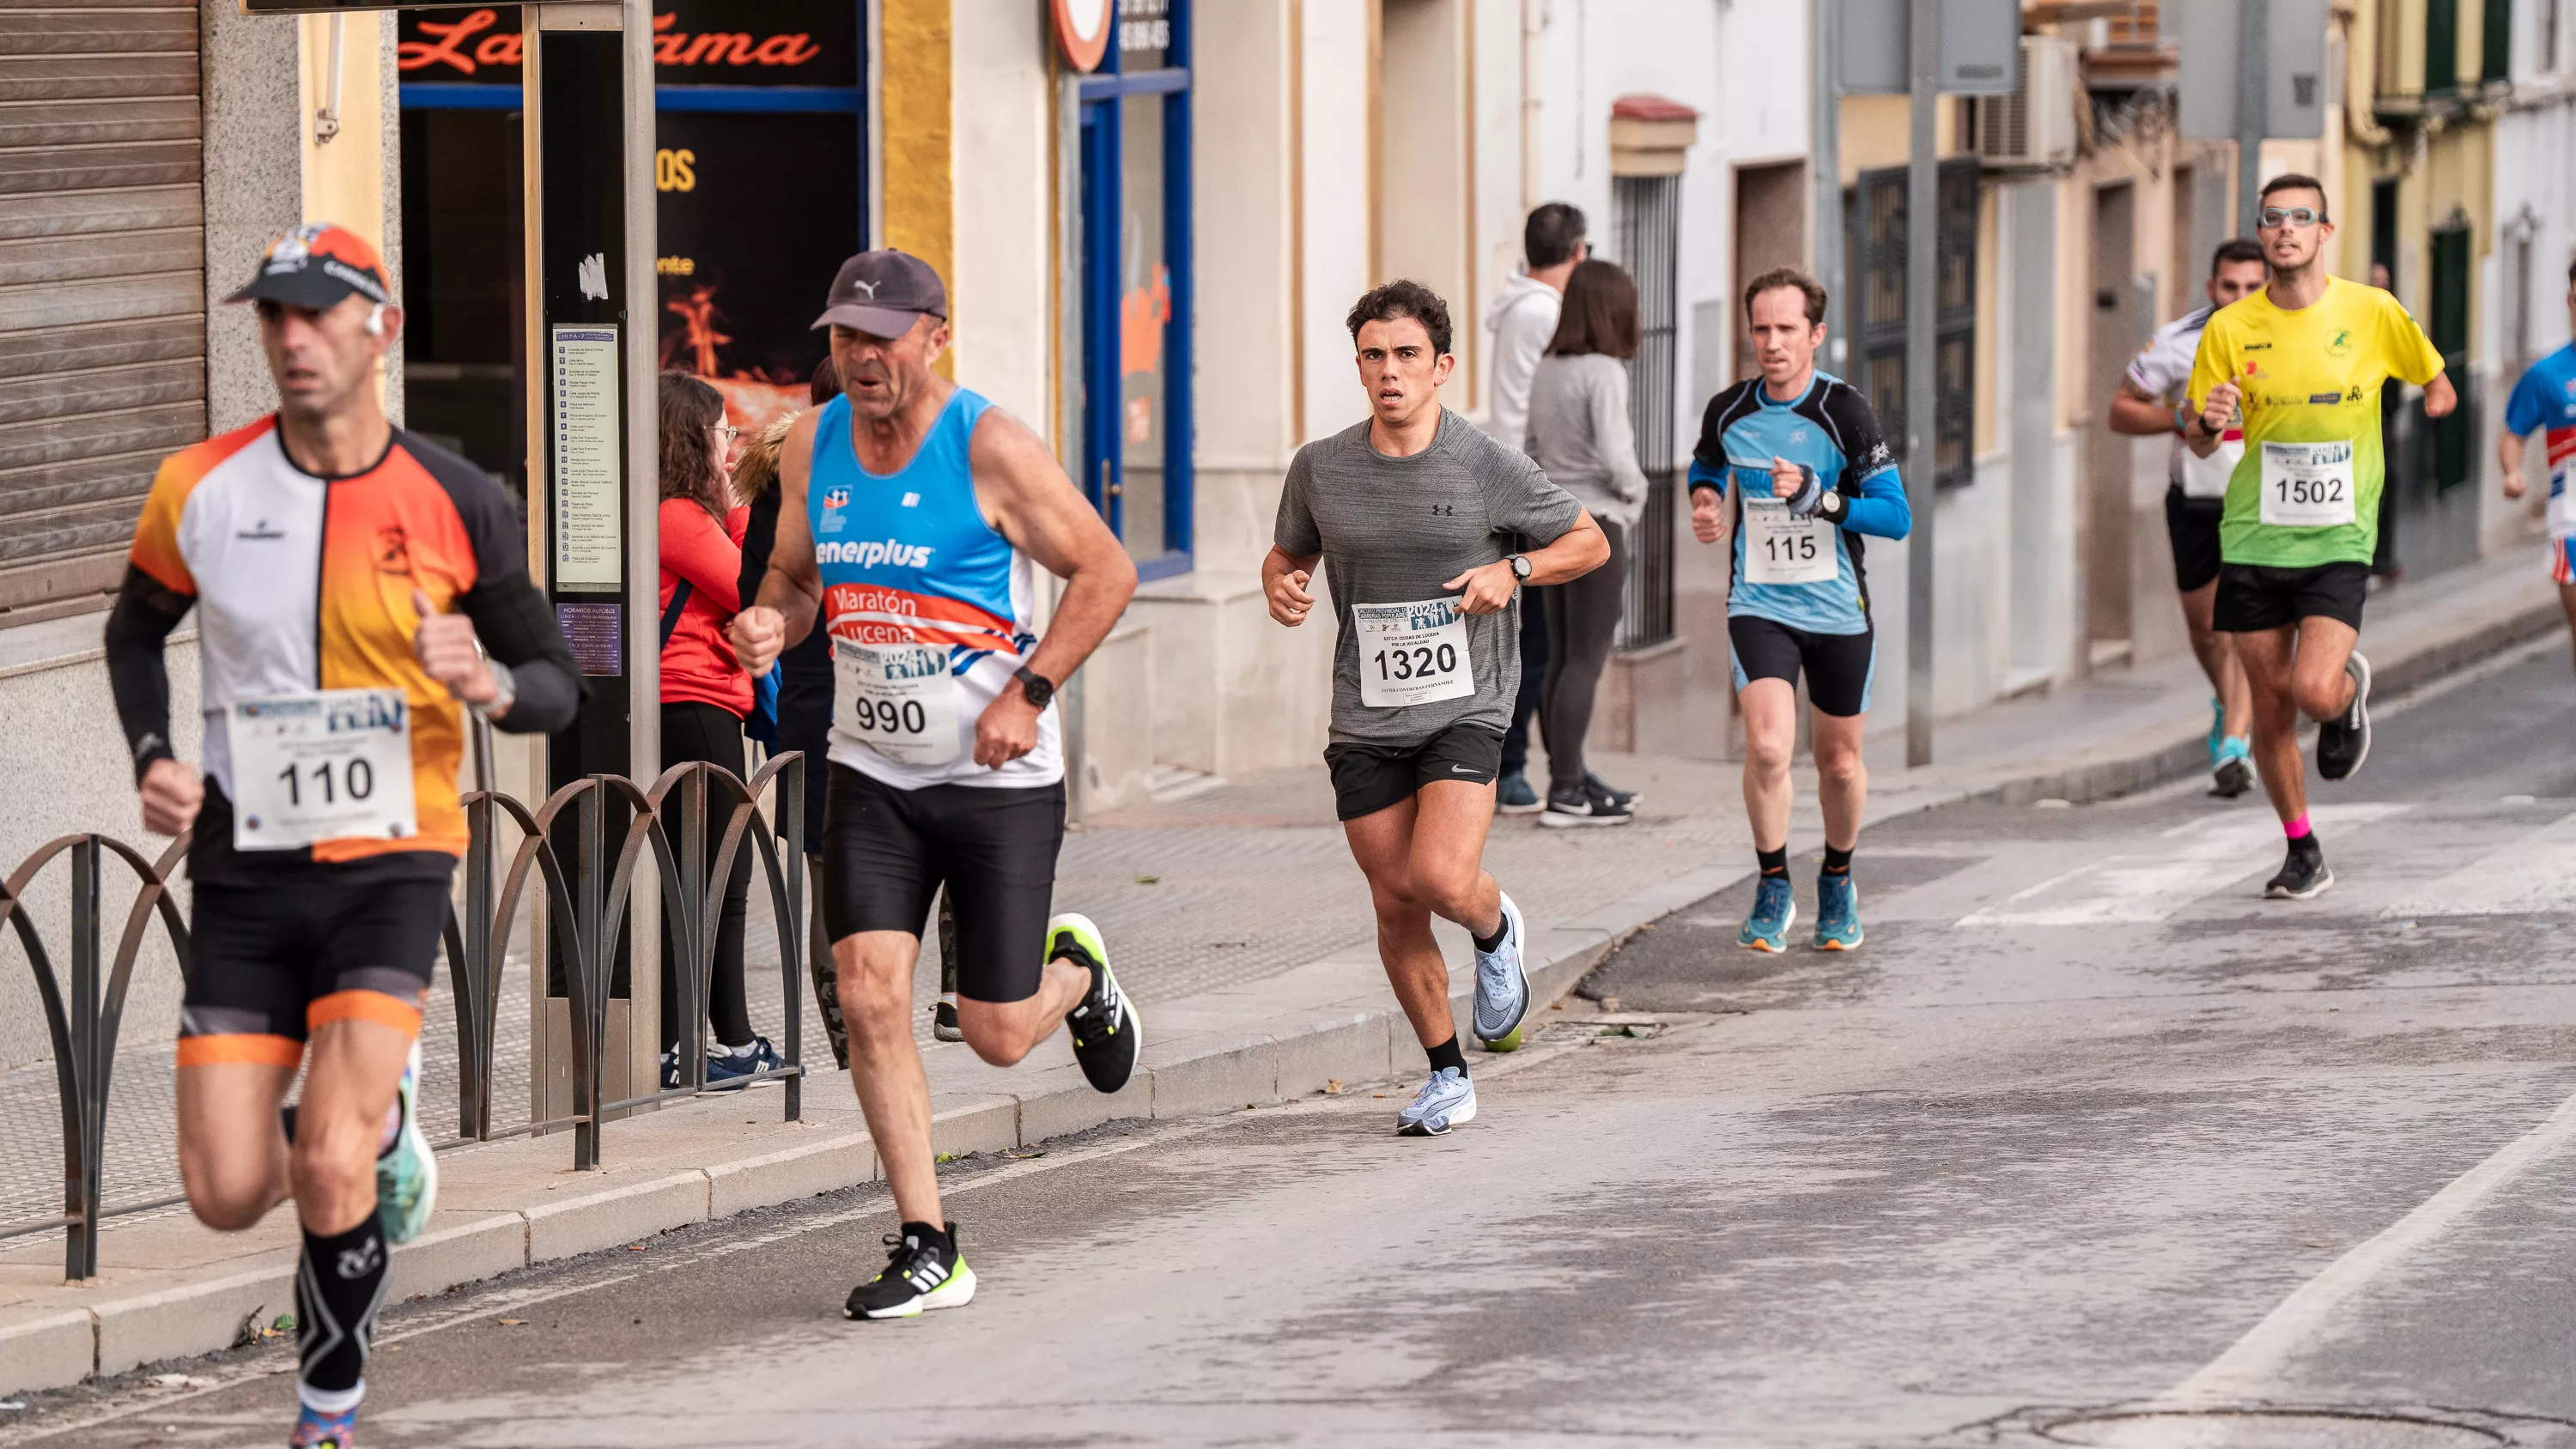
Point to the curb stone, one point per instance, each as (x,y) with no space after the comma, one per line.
(1295,1054)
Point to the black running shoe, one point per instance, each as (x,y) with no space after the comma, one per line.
(1107,1032)
(2233,777)
(2303,876)
(943,1017)
(920,1273)
(2344,742)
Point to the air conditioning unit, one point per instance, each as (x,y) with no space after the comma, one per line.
(2035,125)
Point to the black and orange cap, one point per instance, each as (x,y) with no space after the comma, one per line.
(316,265)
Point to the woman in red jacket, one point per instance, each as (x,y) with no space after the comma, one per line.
(705,694)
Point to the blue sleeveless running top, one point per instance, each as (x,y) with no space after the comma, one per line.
(907,558)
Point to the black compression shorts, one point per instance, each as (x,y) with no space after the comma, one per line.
(1838,666)
(272,963)
(2192,524)
(1369,778)
(887,851)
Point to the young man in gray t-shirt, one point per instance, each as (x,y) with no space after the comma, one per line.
(1413,515)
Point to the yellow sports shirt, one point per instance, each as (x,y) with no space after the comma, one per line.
(2307,490)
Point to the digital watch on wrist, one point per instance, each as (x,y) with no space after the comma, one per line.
(1037,687)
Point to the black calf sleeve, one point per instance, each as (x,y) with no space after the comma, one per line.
(338,1288)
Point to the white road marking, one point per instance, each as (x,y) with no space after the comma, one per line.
(2152,885)
(2249,1372)
(2535,873)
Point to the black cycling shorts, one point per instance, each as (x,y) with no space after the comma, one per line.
(2256,597)
(1838,666)
(1369,778)
(274,962)
(2192,523)
(887,851)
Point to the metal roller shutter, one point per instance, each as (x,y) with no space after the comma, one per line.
(102,290)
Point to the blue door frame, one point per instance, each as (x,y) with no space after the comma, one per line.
(1103,153)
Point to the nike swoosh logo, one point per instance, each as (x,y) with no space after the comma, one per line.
(1464,770)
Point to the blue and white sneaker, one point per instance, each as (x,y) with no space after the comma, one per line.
(406,1171)
(1775,910)
(1837,913)
(317,1430)
(1445,1101)
(1502,983)
(735,1066)
(1513,795)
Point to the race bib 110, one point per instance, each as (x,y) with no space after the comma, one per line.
(334,764)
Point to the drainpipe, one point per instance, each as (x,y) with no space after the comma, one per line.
(1533,31)
(2360,82)
(326,120)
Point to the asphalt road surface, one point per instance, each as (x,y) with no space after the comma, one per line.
(2089,1145)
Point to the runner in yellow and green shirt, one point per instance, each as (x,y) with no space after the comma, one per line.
(2299,366)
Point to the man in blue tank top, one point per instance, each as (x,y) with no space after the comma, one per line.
(1809,472)
(911,513)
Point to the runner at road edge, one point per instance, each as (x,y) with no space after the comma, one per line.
(2150,404)
(1413,514)
(910,513)
(1811,474)
(2298,367)
(343,572)
(2544,402)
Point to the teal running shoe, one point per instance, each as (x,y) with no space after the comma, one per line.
(407,1171)
(1775,910)
(2234,773)
(1837,913)
(2217,731)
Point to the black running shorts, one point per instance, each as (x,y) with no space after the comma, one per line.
(2256,597)
(1838,666)
(2193,525)
(1369,778)
(274,962)
(887,851)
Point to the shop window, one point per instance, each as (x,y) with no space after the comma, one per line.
(1874,214)
(759,167)
(1135,282)
(1646,225)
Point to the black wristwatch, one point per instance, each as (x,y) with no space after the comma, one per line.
(1521,567)
(1036,686)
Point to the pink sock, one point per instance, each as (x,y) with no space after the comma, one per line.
(2296,829)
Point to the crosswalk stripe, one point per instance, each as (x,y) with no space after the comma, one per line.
(2152,885)
(2534,873)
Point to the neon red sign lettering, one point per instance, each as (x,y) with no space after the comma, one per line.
(447,45)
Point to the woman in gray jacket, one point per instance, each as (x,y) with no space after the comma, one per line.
(1579,433)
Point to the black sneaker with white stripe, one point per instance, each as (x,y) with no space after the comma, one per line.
(2344,741)
(924,1269)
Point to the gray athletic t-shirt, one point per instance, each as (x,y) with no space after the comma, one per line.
(1394,531)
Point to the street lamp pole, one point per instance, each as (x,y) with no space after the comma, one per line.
(1922,238)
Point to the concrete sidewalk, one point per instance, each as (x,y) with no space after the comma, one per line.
(1243,930)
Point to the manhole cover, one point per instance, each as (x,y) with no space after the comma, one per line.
(2268,1429)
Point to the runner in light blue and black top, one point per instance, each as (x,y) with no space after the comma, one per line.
(1794,465)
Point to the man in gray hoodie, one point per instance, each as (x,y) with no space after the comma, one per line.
(1523,318)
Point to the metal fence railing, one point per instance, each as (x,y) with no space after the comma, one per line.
(587,894)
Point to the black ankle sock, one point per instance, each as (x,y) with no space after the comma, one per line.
(1837,862)
(2307,845)
(337,1292)
(1447,1054)
(1494,942)
(930,1233)
(1774,862)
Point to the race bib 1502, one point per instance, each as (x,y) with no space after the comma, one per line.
(334,764)
(899,700)
(2308,485)
(1412,653)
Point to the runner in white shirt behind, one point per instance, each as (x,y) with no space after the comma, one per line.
(2147,406)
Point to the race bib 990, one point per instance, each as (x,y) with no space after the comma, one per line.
(334,764)
(1412,653)
(899,700)
(2308,485)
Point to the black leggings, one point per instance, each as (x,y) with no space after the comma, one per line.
(1582,625)
(693,731)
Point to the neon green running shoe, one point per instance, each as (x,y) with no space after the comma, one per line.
(1107,1032)
(407,1171)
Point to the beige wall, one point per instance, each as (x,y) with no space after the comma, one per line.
(1001,275)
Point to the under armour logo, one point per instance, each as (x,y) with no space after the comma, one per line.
(361,1260)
